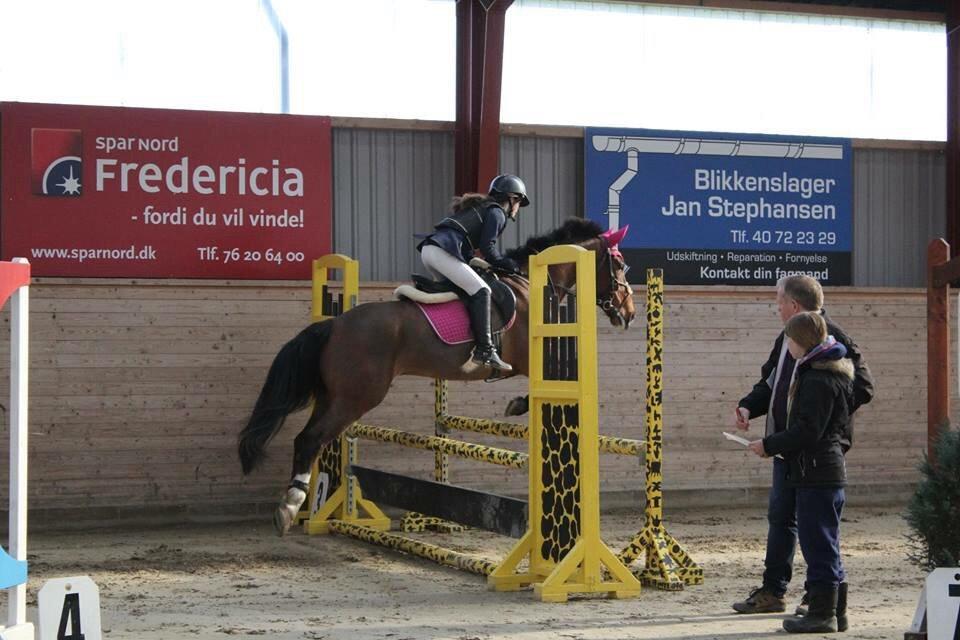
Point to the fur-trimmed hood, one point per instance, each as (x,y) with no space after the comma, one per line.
(843,366)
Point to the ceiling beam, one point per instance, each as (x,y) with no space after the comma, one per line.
(480,34)
(881,10)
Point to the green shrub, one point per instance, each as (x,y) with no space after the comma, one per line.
(934,510)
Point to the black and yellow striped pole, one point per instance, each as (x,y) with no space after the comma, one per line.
(667,566)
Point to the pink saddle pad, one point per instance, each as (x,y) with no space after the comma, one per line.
(450,321)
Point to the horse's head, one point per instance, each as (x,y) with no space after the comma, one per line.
(614,295)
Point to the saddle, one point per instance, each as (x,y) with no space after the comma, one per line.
(443,305)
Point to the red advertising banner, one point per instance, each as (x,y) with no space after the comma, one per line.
(157,193)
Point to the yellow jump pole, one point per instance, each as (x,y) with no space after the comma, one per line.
(470,450)
(426,550)
(329,497)
(608,444)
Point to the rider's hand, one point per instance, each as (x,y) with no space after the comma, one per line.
(742,418)
(507,265)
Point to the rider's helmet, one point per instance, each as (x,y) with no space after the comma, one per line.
(506,183)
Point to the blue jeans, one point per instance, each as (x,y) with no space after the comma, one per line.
(781,531)
(818,514)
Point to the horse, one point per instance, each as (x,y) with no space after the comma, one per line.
(345,365)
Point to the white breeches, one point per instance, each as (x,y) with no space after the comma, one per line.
(441,264)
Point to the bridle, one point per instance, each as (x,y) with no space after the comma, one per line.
(606,303)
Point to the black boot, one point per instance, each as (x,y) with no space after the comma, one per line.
(842,607)
(478,308)
(822,614)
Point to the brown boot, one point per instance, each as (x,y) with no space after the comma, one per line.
(761,600)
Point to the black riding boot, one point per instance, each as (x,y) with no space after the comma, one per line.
(484,353)
(822,614)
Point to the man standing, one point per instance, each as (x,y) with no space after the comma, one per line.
(769,397)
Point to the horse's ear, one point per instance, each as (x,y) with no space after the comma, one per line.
(614,237)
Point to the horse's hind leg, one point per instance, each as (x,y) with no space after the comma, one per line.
(356,370)
(327,421)
(296,492)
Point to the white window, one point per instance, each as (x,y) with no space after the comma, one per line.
(663,67)
(573,63)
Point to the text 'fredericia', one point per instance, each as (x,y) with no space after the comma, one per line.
(204,179)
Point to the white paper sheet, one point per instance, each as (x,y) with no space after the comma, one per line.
(736,438)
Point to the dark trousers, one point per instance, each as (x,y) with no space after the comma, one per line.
(818,519)
(781,531)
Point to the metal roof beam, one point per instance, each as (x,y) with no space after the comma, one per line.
(480,32)
(921,10)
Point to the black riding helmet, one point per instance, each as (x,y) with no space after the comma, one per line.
(507,183)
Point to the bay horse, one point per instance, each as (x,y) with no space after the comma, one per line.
(345,365)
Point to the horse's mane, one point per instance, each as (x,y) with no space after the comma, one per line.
(573,231)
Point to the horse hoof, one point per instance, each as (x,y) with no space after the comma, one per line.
(282,521)
(517,407)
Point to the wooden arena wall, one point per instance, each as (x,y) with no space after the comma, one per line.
(138,390)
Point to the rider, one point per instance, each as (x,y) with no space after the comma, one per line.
(474,225)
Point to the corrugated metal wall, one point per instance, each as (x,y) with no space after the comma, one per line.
(390,184)
(899,205)
(553,171)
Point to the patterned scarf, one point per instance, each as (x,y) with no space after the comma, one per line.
(829,349)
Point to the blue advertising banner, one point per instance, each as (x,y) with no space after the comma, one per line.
(724,208)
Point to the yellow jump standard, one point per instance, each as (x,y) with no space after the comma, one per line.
(329,469)
(562,546)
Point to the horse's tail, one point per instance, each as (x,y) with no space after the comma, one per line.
(293,380)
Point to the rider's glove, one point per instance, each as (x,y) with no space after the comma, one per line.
(507,265)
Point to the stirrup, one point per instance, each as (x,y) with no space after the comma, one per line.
(490,357)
